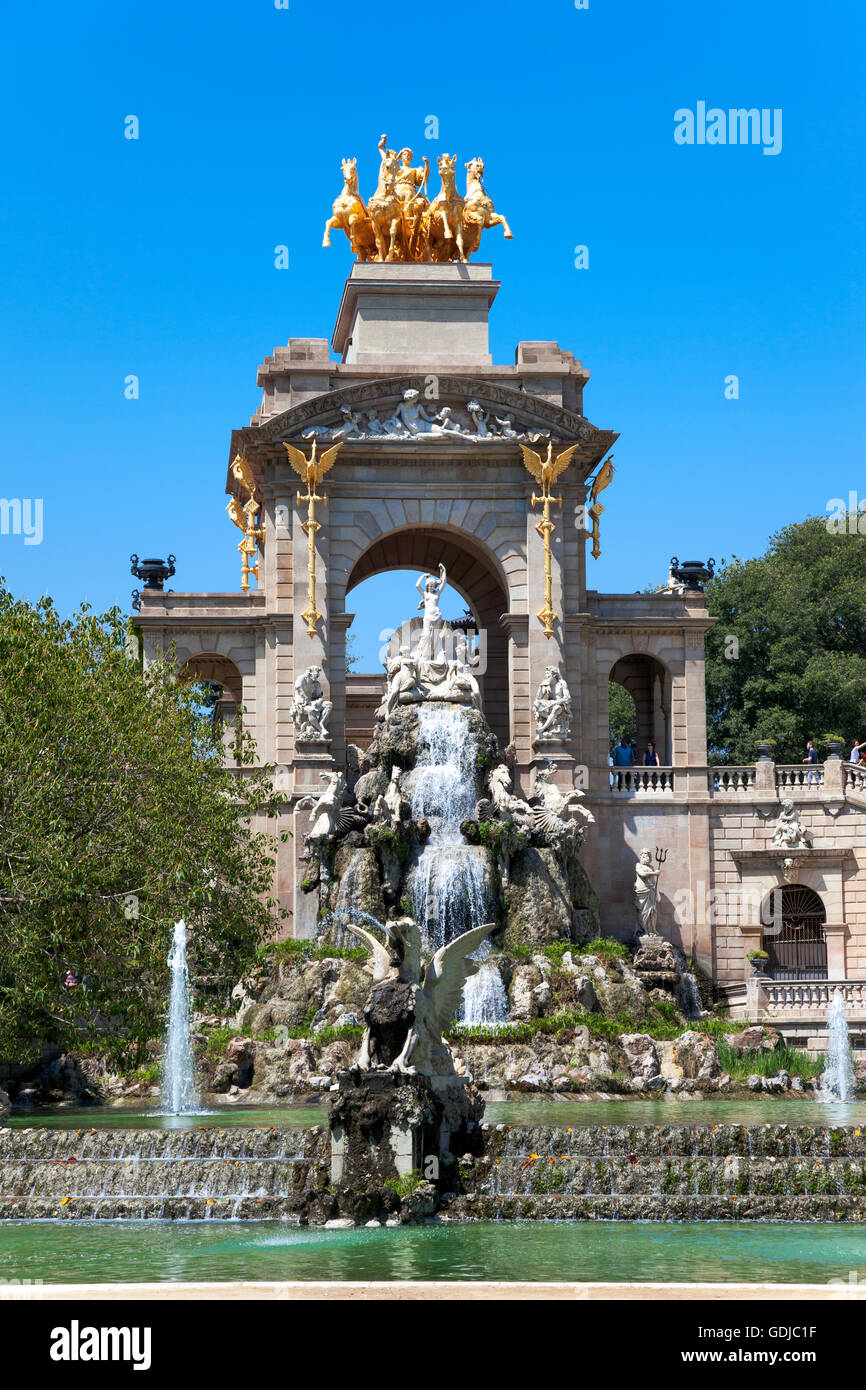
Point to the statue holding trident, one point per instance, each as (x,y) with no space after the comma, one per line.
(646,891)
(430,589)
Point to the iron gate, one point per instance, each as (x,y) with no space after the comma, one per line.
(799,950)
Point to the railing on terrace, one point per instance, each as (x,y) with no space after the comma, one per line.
(791,775)
(855,777)
(810,996)
(636,780)
(731,780)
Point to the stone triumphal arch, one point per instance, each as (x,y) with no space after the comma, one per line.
(402,445)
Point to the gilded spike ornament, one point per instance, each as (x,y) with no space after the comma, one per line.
(311,471)
(245,518)
(602,479)
(545,472)
(400,223)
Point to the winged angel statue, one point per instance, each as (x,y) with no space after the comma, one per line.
(430,1002)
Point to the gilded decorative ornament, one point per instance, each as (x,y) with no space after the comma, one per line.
(311,471)
(400,223)
(245,518)
(545,472)
(602,479)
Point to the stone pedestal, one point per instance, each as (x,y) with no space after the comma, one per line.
(386,1125)
(416,314)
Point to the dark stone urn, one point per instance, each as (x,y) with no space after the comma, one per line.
(154,572)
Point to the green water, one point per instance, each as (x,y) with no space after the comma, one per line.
(119,1117)
(530,1111)
(151,1251)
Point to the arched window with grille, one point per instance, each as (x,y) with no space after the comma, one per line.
(794,938)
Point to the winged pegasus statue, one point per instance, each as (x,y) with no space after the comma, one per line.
(434,999)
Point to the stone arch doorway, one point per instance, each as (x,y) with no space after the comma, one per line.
(648,682)
(475,577)
(218,671)
(795,941)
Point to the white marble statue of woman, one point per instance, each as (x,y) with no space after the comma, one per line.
(410,416)
(646,892)
(430,588)
(402,673)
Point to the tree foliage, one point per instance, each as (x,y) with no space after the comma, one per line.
(622,714)
(796,668)
(118,816)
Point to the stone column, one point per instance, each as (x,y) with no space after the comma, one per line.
(836,935)
(546,651)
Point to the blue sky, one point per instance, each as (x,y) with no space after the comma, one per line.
(155,257)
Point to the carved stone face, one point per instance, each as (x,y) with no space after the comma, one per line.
(645,856)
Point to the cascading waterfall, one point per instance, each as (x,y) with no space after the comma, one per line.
(449,885)
(178,1083)
(837,1081)
(688,995)
(345,911)
(485,1002)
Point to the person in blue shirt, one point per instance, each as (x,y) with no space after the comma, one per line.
(623,756)
(811,757)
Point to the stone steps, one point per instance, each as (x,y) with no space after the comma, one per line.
(685,1141)
(151,1208)
(577,1175)
(650,1207)
(192,1177)
(167,1144)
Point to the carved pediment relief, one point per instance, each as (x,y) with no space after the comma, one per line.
(427,411)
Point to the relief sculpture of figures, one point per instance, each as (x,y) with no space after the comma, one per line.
(552,708)
(411,419)
(399,222)
(789,832)
(310,710)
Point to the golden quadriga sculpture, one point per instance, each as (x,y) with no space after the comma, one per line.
(400,223)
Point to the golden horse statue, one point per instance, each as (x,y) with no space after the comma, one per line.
(349,215)
(384,208)
(478,210)
(442,225)
(399,223)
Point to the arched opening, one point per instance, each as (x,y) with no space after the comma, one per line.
(793,936)
(483,595)
(648,683)
(224,680)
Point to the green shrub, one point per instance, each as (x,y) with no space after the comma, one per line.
(310,950)
(605,946)
(741,1065)
(405,1185)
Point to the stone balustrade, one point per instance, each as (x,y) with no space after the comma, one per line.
(855,777)
(790,776)
(632,781)
(731,781)
(808,998)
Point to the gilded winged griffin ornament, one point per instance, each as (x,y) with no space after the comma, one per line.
(545,471)
(245,517)
(311,470)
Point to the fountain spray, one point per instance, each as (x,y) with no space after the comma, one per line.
(178,1082)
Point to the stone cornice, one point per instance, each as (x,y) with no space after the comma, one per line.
(262,442)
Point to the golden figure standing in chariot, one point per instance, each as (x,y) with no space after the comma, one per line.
(400,223)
